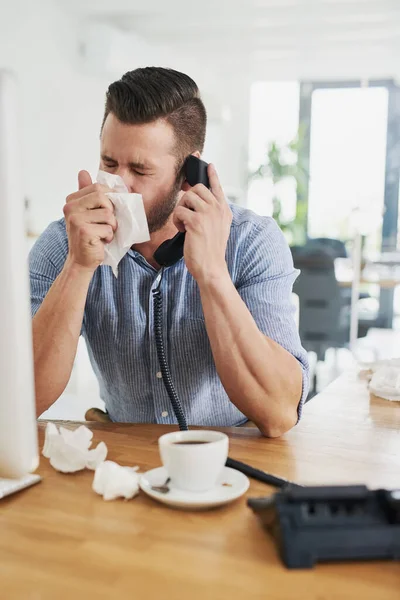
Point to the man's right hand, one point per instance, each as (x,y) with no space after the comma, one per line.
(90,220)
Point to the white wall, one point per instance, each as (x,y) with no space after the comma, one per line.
(61,108)
(228,133)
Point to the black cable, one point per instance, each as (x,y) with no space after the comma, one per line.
(162,359)
(267,478)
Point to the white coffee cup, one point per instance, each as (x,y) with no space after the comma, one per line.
(194,467)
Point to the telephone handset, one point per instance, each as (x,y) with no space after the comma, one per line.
(170,251)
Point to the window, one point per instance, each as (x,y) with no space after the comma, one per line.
(347,160)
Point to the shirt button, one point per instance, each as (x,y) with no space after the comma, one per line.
(164,413)
(159,375)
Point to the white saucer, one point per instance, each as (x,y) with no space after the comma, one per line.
(238,484)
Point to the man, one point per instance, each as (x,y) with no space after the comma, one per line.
(231,340)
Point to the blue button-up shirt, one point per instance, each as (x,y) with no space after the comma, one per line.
(118,322)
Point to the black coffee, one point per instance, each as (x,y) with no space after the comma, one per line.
(191,442)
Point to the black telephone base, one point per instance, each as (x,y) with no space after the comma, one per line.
(340,523)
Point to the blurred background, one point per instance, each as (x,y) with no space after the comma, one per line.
(304,124)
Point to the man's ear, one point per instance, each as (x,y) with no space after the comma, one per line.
(185,186)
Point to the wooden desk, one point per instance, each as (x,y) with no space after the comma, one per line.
(60,540)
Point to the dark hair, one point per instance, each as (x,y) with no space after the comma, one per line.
(145,95)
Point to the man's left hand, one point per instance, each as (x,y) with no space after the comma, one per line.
(206,217)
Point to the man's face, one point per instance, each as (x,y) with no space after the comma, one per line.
(143,155)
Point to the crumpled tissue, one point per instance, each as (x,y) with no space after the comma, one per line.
(113,481)
(131,219)
(68,450)
(385,383)
(384,379)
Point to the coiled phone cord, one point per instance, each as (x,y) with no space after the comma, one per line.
(162,359)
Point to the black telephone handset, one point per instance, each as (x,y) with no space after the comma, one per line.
(170,251)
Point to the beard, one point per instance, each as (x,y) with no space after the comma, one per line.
(161,211)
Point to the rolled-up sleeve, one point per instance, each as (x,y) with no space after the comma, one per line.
(265,284)
(46,260)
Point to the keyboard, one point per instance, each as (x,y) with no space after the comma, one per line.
(10,486)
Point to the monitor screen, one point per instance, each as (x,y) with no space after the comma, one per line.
(18,433)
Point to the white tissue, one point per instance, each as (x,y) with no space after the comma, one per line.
(385,383)
(113,481)
(131,219)
(68,450)
(383,378)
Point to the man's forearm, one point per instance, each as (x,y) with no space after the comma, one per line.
(260,377)
(56,329)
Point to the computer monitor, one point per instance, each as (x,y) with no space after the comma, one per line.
(18,430)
